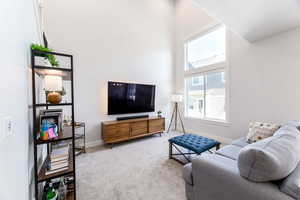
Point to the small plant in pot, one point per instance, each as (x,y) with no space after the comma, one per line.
(159,113)
(49,57)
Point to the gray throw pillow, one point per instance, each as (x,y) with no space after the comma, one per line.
(273,158)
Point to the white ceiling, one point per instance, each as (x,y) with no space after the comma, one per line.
(255,19)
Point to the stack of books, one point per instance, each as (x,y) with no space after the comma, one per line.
(59,159)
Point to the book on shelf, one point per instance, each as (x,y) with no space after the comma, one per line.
(59,162)
(58,159)
(60,152)
(55,171)
(58,166)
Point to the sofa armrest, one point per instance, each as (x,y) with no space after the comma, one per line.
(187,173)
(216,177)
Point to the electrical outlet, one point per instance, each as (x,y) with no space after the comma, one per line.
(8,123)
(6,126)
(2,131)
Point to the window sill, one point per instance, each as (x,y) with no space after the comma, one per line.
(214,122)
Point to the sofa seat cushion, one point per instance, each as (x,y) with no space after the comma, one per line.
(230,151)
(291,185)
(271,159)
(187,173)
(242,142)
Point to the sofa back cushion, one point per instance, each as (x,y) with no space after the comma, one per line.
(273,158)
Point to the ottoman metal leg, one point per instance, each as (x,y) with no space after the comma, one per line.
(170,150)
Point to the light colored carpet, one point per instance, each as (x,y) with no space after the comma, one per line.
(135,170)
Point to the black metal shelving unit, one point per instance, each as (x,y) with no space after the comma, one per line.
(67,133)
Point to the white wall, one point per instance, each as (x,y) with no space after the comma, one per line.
(18,30)
(264,76)
(113,40)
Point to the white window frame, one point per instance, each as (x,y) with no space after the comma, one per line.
(208,69)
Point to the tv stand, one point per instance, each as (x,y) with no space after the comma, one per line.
(119,131)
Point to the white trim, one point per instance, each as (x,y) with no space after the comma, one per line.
(227,77)
(210,121)
(223,140)
(206,70)
(94,143)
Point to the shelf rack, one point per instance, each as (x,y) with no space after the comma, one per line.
(67,133)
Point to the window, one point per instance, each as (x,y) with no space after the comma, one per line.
(206,50)
(197,81)
(205,75)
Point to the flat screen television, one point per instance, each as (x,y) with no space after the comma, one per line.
(125,98)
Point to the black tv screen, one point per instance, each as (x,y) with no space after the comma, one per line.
(124,98)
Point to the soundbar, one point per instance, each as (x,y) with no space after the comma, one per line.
(132,117)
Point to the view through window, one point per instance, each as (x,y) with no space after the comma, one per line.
(205,78)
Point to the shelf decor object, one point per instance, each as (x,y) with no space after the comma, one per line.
(60,159)
(176,98)
(53,84)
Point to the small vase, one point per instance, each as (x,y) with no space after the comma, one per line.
(54,98)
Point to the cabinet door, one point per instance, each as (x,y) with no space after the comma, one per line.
(156,125)
(116,132)
(139,128)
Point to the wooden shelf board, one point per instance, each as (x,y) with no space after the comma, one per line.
(47,104)
(66,134)
(65,73)
(37,52)
(42,68)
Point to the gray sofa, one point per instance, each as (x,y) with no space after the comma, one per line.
(225,175)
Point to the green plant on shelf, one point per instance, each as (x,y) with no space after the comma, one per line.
(51,58)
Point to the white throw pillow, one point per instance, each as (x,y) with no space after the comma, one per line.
(259,131)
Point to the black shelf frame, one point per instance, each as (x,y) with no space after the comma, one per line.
(35,105)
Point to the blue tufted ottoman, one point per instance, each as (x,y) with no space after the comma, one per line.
(192,142)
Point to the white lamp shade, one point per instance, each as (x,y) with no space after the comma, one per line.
(53,83)
(177,98)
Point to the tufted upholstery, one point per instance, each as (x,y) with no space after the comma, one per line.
(195,143)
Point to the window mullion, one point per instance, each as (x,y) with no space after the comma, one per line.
(204,87)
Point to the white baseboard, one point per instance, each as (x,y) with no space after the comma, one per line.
(94,143)
(215,137)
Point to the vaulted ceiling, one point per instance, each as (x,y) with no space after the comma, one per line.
(255,19)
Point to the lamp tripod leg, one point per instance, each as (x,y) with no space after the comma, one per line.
(183,129)
(176,113)
(171,120)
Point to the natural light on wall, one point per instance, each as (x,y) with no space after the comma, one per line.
(205,75)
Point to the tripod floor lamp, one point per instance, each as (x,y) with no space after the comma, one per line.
(176,98)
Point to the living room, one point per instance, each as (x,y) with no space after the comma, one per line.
(219,71)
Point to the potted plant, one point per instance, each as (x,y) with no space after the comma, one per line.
(159,114)
(48,57)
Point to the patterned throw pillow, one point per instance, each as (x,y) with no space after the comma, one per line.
(259,131)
